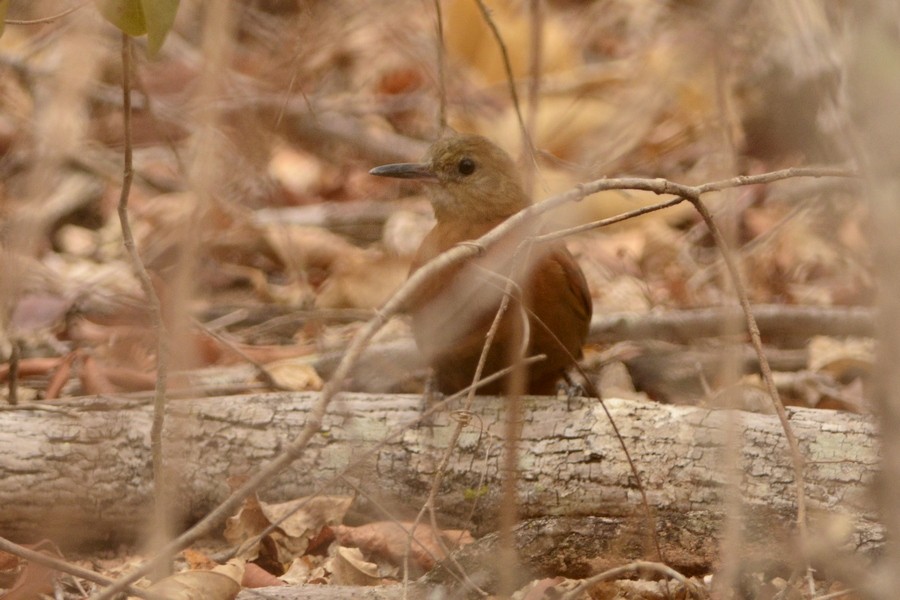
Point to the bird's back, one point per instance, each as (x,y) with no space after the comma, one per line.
(453,314)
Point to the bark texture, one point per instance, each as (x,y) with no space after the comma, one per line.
(79,471)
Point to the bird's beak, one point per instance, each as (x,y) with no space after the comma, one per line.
(405,171)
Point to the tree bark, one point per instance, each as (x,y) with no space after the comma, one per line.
(79,471)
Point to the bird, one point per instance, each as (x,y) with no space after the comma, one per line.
(474,186)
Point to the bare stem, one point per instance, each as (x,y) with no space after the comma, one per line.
(755,338)
(441,70)
(43,20)
(534,86)
(62,566)
(162,350)
(510,77)
(658,569)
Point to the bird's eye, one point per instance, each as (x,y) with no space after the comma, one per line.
(466,166)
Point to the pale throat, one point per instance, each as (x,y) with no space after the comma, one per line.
(475,207)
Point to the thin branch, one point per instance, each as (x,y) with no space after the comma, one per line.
(43,20)
(509,514)
(536,24)
(774,320)
(594,392)
(755,338)
(658,569)
(441,67)
(564,233)
(510,78)
(260,368)
(162,350)
(683,192)
(772,176)
(12,376)
(837,594)
(64,567)
(511,290)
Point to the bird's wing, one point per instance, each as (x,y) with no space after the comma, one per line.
(565,282)
(574,277)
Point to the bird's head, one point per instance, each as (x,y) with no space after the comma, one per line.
(472,179)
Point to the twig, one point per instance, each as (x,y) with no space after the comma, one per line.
(683,192)
(451,446)
(509,479)
(441,469)
(43,20)
(510,78)
(441,67)
(837,594)
(508,562)
(595,393)
(65,567)
(774,320)
(162,350)
(534,85)
(755,338)
(692,194)
(636,566)
(12,381)
(260,368)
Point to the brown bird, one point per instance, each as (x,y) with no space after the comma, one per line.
(475,186)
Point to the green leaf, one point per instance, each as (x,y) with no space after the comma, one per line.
(137,17)
(159,16)
(127,15)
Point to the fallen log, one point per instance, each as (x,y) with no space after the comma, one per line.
(79,470)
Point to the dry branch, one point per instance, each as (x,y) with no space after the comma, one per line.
(83,472)
(326,592)
(782,322)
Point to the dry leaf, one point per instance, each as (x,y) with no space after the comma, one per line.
(247,523)
(301,248)
(270,354)
(350,568)
(38,311)
(390,539)
(257,577)
(295,374)
(362,280)
(304,521)
(541,589)
(305,569)
(307,516)
(198,585)
(34,366)
(624,294)
(234,569)
(302,175)
(197,560)
(130,380)
(33,579)
(844,359)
